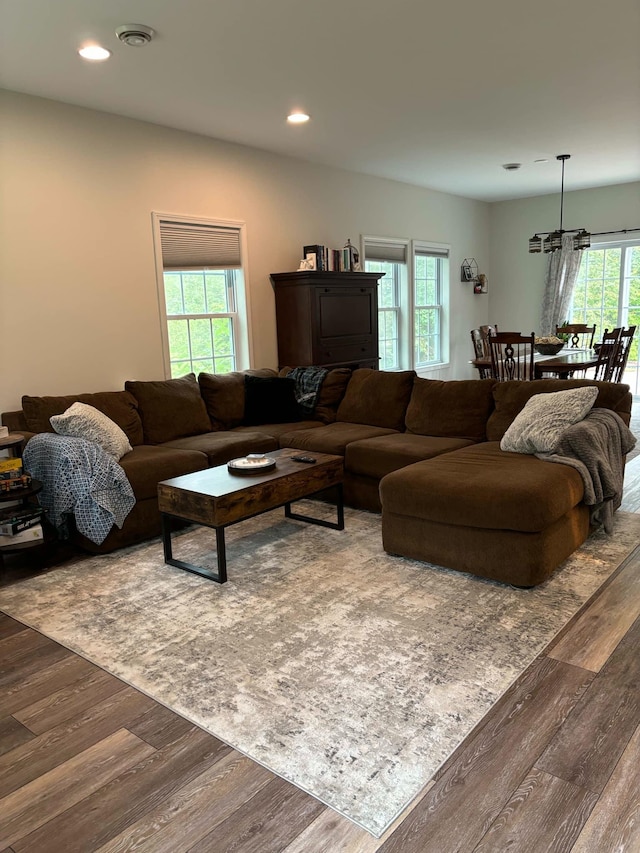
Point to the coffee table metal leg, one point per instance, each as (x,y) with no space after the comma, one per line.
(219,577)
(339,525)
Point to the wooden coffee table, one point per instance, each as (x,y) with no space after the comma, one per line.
(218,498)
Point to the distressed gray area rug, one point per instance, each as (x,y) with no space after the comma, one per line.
(352,673)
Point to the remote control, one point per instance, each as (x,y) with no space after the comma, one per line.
(309,459)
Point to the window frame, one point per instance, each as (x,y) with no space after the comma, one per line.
(407,301)
(623,307)
(243,348)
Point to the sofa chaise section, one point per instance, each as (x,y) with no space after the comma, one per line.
(506,516)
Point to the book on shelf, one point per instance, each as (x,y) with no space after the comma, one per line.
(15,519)
(31,534)
(11,464)
(325,259)
(10,484)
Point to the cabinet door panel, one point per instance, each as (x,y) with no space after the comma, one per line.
(344,314)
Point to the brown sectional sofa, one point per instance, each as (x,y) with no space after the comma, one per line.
(424,452)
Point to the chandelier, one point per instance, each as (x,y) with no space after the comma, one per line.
(551,241)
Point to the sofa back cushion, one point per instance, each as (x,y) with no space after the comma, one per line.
(377,398)
(223,395)
(170,408)
(511,397)
(120,406)
(331,393)
(456,408)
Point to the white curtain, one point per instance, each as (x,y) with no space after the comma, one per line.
(562,271)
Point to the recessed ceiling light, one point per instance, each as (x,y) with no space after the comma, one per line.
(297,118)
(94,53)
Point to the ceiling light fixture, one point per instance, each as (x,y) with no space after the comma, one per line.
(94,53)
(135,35)
(551,241)
(512,167)
(297,118)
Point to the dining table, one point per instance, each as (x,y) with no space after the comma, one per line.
(561,366)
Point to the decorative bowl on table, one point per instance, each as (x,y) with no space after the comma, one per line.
(549,345)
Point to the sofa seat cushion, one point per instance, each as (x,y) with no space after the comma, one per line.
(170,408)
(147,465)
(120,406)
(332,438)
(276,430)
(375,457)
(376,397)
(483,486)
(220,447)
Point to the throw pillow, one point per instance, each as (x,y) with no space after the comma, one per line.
(539,426)
(170,408)
(223,395)
(270,400)
(83,421)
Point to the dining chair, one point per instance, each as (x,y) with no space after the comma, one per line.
(607,355)
(512,356)
(621,355)
(480,341)
(582,335)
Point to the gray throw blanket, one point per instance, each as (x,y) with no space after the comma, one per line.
(308,383)
(596,447)
(79,477)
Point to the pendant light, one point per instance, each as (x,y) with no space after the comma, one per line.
(551,241)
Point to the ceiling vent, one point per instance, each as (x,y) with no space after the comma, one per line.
(135,35)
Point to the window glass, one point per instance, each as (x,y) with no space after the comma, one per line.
(410,301)
(201,290)
(607,293)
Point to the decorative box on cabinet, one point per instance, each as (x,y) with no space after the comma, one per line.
(329,319)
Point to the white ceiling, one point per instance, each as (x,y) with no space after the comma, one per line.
(434,94)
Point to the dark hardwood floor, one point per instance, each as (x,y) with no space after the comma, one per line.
(88,763)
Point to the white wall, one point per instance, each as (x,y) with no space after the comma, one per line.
(517,278)
(78,300)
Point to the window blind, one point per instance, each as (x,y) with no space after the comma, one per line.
(385,251)
(432,253)
(187,246)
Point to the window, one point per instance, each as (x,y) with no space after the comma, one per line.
(410,301)
(607,293)
(428,278)
(201,294)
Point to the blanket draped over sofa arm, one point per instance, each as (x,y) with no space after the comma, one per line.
(79,477)
(596,448)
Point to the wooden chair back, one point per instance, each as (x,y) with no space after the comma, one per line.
(582,335)
(512,356)
(479,339)
(607,355)
(621,355)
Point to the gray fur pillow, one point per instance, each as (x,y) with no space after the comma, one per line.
(539,426)
(83,421)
